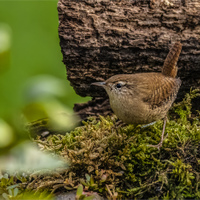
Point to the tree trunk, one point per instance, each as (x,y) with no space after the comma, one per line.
(101,38)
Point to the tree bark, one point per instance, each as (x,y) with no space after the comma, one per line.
(101,38)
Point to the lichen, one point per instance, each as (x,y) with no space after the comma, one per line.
(116,161)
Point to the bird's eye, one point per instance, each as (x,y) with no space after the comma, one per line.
(118,85)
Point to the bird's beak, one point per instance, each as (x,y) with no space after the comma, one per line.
(99,84)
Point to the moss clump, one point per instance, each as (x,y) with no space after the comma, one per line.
(116,161)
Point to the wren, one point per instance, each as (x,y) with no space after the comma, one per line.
(143,98)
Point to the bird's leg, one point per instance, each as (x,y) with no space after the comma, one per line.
(162,136)
(146,125)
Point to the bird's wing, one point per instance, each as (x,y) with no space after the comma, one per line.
(160,90)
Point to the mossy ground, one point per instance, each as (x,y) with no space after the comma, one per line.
(116,161)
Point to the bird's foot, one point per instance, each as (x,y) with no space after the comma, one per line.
(159,145)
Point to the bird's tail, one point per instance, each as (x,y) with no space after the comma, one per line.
(169,67)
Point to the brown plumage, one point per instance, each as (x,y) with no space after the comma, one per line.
(169,68)
(143,98)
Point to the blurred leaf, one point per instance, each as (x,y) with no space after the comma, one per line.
(5,44)
(35,111)
(44,87)
(79,191)
(5,196)
(16,190)
(12,187)
(6,134)
(34,196)
(60,116)
(26,157)
(10,192)
(89,197)
(41,95)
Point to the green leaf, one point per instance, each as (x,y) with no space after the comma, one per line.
(89,197)
(87,177)
(10,192)
(16,190)
(12,186)
(5,196)
(79,191)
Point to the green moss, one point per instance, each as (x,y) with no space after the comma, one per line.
(117,162)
